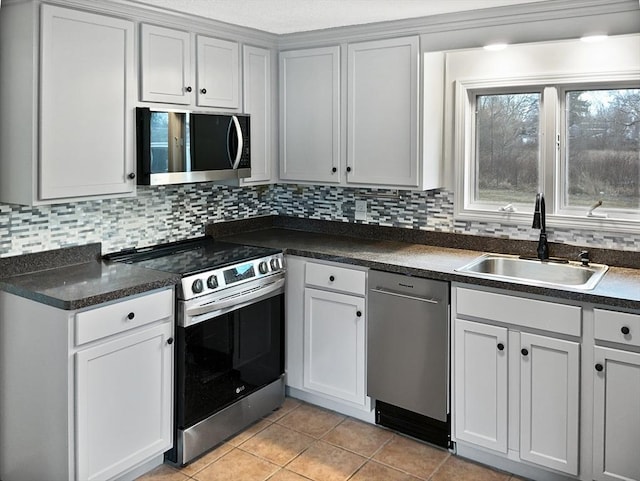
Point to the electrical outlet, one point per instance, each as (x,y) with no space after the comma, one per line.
(361,210)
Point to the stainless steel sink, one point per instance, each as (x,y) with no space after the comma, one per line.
(535,272)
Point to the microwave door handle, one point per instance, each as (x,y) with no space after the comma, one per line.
(236,124)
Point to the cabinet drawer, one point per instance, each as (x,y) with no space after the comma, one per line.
(617,327)
(336,278)
(519,311)
(121,316)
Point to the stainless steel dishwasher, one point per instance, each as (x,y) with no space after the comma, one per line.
(408,355)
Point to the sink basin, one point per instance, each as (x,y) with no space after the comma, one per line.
(535,272)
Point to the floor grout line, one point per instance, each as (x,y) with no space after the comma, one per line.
(364,459)
(435,471)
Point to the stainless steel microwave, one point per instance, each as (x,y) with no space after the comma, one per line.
(182,147)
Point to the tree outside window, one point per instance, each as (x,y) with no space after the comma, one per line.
(602,148)
(507,147)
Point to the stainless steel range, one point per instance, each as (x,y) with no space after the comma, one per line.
(229,362)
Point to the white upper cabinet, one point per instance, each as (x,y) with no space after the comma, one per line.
(382,97)
(169,74)
(166,65)
(310,115)
(70,135)
(359,125)
(218,73)
(258,103)
(87,77)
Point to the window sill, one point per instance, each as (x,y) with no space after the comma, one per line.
(553,221)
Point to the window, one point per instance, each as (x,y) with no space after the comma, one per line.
(559,117)
(601,155)
(578,143)
(506,147)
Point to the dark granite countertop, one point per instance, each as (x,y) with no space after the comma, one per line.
(76,277)
(51,278)
(620,287)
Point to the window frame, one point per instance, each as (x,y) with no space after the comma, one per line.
(551,153)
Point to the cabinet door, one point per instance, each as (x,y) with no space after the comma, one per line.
(257,103)
(218,73)
(480,375)
(549,402)
(616,423)
(383,112)
(310,115)
(123,402)
(87,69)
(334,345)
(166,65)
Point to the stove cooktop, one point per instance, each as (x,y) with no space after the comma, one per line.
(191,256)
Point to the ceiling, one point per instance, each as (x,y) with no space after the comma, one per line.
(289,16)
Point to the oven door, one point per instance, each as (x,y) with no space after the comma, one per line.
(227,357)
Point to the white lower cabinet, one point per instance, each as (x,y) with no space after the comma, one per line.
(616,404)
(481,384)
(517,393)
(334,340)
(549,401)
(616,415)
(326,335)
(123,392)
(96,386)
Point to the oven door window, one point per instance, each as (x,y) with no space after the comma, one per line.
(228,357)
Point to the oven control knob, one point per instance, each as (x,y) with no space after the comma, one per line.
(262,267)
(275,264)
(197,286)
(212,282)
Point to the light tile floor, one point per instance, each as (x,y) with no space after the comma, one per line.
(301,442)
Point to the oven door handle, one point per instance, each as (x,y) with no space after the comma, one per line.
(251,296)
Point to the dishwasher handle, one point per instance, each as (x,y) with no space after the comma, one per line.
(380,290)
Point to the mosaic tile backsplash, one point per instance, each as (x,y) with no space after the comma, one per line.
(169,213)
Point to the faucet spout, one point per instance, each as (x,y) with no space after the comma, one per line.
(540,222)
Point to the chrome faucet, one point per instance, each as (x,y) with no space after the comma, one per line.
(540,222)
